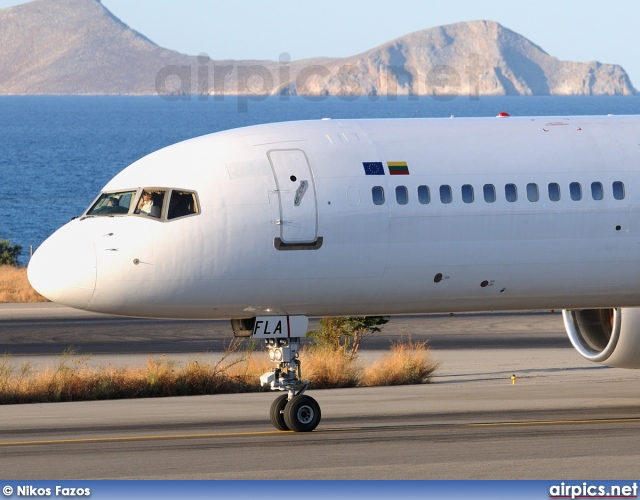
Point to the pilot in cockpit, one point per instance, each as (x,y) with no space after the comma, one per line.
(146,205)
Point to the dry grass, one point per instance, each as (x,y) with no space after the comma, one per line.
(328,368)
(72,379)
(407,363)
(15,287)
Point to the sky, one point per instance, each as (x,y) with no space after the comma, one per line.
(572,30)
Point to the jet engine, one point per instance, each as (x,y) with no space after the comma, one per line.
(607,336)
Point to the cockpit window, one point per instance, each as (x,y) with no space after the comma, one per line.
(112,203)
(182,203)
(151,203)
(161,204)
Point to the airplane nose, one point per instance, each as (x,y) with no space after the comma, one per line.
(63,269)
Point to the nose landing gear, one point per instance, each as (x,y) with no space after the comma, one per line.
(294,410)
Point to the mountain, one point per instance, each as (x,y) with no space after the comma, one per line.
(79,47)
(74,47)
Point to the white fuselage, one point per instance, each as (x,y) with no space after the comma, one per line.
(287,222)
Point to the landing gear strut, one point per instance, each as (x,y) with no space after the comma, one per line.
(294,410)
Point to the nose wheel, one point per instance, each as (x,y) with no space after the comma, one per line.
(302,414)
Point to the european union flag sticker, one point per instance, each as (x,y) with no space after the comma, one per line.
(373,167)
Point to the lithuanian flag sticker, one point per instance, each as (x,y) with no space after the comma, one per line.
(398,168)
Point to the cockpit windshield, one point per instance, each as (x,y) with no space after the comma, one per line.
(112,203)
(162,204)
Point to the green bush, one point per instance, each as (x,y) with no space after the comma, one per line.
(9,253)
(345,334)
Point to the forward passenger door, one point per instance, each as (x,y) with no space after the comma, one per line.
(296,194)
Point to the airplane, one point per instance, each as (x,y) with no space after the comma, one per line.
(269,225)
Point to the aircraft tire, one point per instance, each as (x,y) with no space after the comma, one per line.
(277,412)
(302,414)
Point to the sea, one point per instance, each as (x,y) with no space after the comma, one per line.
(57,152)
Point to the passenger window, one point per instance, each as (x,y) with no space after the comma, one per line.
(489,193)
(182,203)
(467,193)
(597,191)
(618,190)
(402,195)
(151,203)
(424,196)
(378,195)
(533,194)
(511,192)
(446,196)
(554,191)
(575,191)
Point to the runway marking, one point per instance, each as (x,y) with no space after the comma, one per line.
(117,439)
(558,422)
(138,438)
